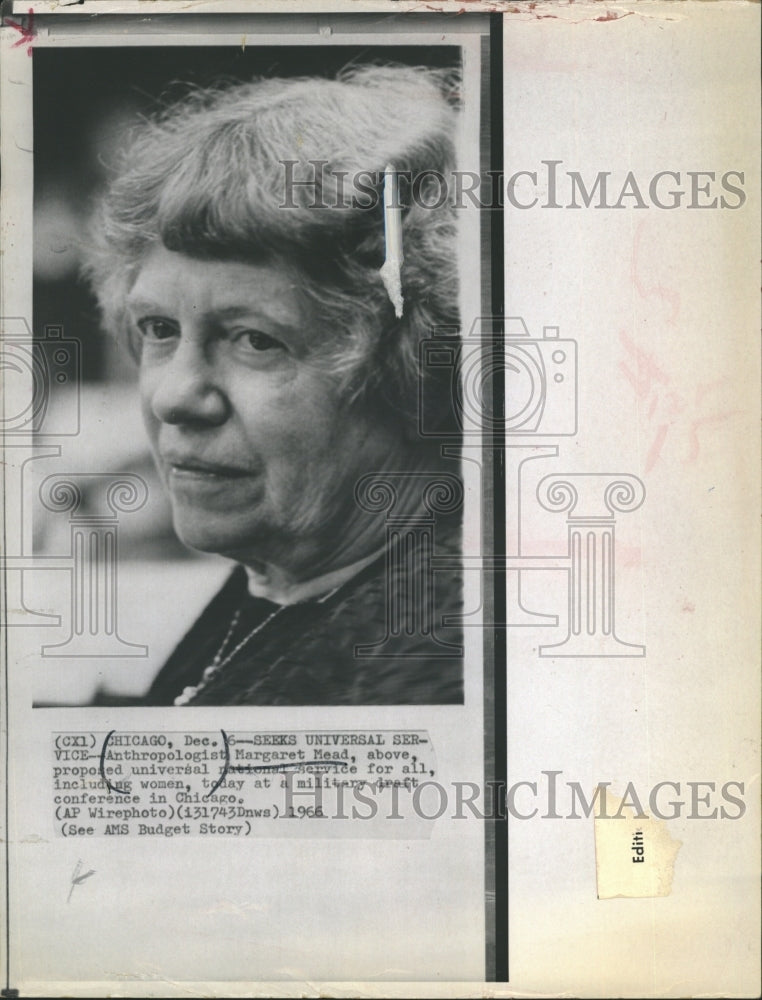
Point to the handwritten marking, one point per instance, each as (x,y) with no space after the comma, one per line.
(225,769)
(229,768)
(665,407)
(27,31)
(77,879)
(102,767)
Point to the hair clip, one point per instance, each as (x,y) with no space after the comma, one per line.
(390,272)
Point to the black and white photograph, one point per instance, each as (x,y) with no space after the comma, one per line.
(379,604)
(291,213)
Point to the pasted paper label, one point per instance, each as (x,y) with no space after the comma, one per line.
(634,853)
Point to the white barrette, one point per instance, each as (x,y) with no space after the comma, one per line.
(390,272)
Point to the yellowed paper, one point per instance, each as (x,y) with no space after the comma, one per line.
(605,374)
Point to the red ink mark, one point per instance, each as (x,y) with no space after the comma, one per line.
(709,420)
(689,608)
(666,409)
(27,32)
(646,371)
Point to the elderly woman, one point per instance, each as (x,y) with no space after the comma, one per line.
(240,251)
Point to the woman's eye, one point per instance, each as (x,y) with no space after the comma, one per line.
(255,340)
(157,328)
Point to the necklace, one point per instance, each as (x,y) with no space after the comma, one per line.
(220,661)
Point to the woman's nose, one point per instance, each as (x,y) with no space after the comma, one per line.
(187,390)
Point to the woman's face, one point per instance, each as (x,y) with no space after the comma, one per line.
(259,458)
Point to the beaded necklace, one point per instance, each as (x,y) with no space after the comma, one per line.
(221,660)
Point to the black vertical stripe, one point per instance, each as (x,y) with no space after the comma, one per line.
(497,282)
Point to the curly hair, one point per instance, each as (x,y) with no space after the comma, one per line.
(244,171)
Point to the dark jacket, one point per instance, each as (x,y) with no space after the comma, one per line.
(378,640)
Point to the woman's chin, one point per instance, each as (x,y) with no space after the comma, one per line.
(206,534)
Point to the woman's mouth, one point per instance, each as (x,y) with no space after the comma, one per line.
(201,470)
